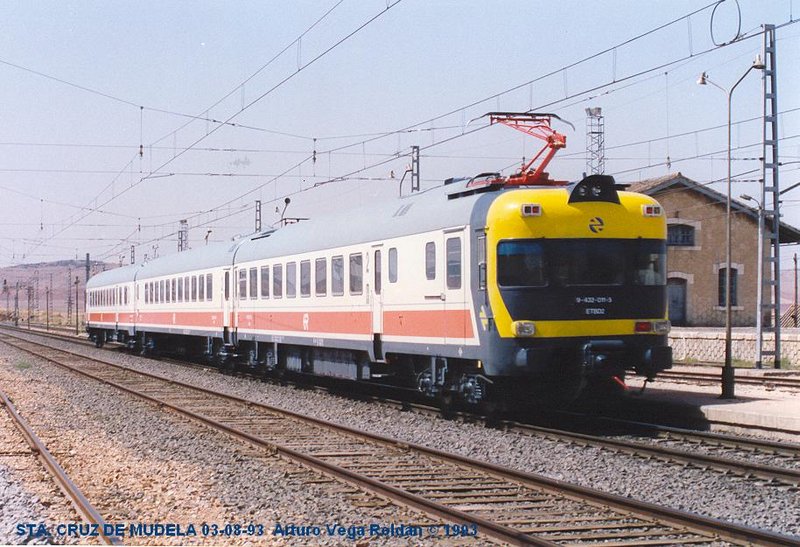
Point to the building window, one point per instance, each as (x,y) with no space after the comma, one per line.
(680,235)
(734,287)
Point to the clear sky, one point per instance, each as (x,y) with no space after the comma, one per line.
(76,74)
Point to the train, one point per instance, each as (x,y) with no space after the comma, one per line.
(486,288)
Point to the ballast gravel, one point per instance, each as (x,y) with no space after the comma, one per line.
(751,503)
(140,464)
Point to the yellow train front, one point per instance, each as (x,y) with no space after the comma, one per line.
(574,289)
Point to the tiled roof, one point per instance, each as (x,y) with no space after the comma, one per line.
(652,187)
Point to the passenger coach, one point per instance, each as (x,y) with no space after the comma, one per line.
(476,288)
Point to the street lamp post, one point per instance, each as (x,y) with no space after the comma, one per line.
(727,370)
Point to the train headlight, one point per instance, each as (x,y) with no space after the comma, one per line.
(524,328)
(662,327)
(652,327)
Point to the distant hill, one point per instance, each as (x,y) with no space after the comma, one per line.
(60,275)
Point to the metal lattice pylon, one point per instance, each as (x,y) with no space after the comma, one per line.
(595,141)
(770,200)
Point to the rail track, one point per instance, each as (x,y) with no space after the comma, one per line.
(728,454)
(767,381)
(79,501)
(508,505)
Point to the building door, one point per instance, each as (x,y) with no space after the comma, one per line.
(676,296)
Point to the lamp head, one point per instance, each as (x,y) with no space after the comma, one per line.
(758,63)
(703,79)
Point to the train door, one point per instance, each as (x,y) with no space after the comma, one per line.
(227,302)
(376,298)
(432,324)
(456,316)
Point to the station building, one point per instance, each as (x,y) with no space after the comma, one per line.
(696,257)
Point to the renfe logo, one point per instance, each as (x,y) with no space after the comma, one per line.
(596,225)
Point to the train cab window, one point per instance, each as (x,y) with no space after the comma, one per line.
(356,274)
(291,279)
(209,287)
(242,284)
(378,272)
(430,260)
(193,281)
(201,288)
(277,281)
(453,255)
(650,268)
(305,278)
(337,276)
(521,264)
(253,283)
(264,281)
(321,276)
(180,289)
(393,265)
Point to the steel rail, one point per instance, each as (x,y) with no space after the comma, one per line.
(768,472)
(716,529)
(763,381)
(82,505)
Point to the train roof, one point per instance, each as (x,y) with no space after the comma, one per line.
(126,274)
(412,214)
(445,206)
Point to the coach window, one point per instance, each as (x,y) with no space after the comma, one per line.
(356,274)
(453,251)
(242,284)
(264,281)
(162,297)
(430,260)
(147,293)
(209,287)
(180,289)
(305,278)
(277,281)
(393,265)
(291,279)
(337,276)
(193,280)
(201,288)
(125,297)
(377,272)
(321,276)
(253,283)
(174,289)
(227,285)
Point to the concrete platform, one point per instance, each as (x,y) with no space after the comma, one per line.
(767,413)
